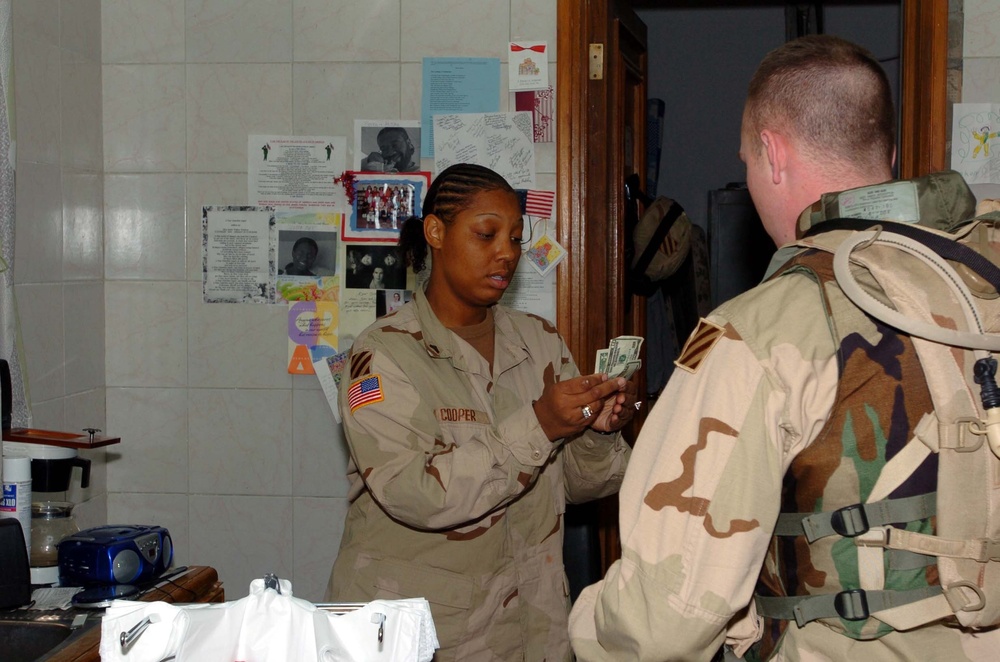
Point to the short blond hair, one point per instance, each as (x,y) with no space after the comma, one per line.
(831,95)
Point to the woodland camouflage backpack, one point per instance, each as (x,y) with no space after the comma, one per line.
(936,280)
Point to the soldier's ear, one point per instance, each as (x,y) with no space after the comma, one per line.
(434,230)
(776,148)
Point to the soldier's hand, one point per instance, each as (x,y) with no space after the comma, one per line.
(617,410)
(568,407)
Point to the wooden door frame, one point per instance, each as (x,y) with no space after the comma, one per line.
(586,232)
(924,93)
(590,306)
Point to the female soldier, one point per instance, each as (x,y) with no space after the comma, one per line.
(470,428)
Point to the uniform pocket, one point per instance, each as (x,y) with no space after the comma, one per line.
(412,580)
(450,594)
(459,432)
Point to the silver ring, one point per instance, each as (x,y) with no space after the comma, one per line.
(587,411)
(638,405)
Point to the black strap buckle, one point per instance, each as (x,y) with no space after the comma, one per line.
(852,605)
(849,521)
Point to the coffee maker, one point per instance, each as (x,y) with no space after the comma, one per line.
(53,455)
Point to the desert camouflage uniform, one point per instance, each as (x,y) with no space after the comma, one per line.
(457,494)
(760,407)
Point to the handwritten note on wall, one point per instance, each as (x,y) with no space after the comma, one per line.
(500,141)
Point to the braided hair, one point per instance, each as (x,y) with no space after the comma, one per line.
(451,192)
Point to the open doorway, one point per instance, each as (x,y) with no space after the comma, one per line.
(587,127)
(701,59)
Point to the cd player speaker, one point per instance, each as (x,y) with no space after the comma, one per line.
(125,566)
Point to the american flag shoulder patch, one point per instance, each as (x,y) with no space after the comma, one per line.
(365,391)
(699,344)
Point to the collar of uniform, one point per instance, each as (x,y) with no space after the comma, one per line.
(940,200)
(438,340)
(782,255)
(442,343)
(511,348)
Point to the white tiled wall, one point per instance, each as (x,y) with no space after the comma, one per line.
(58,253)
(981,64)
(131,115)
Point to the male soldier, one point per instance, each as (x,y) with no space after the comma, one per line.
(789,399)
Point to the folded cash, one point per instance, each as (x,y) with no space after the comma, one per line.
(620,358)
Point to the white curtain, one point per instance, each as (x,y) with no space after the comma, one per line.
(10,339)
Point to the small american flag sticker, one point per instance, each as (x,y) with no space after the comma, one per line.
(365,391)
(536,203)
(699,344)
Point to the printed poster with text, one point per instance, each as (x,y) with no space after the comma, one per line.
(296,172)
(456,85)
(238,259)
(312,334)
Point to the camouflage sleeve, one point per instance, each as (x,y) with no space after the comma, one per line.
(433,476)
(593,463)
(703,490)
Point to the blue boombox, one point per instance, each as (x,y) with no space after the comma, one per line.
(123,554)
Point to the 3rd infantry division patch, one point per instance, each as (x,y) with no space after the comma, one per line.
(361,363)
(698,345)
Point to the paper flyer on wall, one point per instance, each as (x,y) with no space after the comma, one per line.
(296,172)
(502,142)
(542,106)
(253,254)
(531,292)
(528,66)
(544,254)
(975,144)
(457,85)
(308,248)
(312,334)
(239,252)
(328,370)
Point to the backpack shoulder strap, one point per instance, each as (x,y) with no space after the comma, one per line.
(944,246)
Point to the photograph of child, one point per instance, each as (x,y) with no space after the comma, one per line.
(308,254)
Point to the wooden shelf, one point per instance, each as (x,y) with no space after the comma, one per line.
(53,438)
